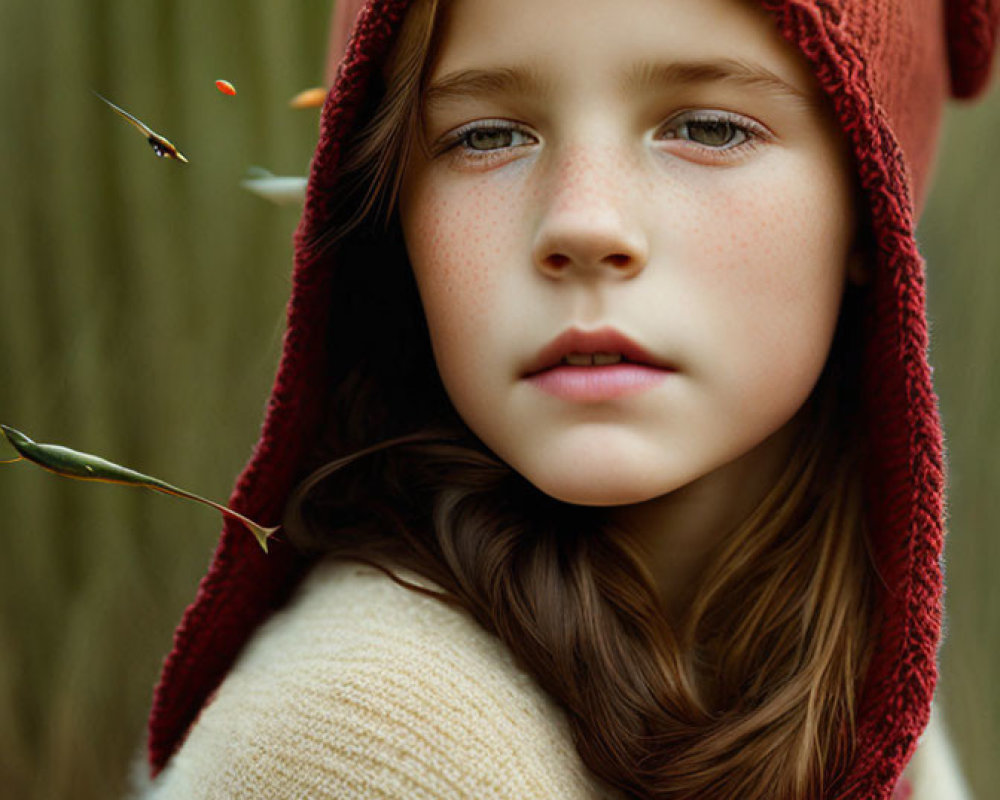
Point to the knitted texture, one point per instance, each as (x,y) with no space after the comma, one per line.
(887,68)
(361,689)
(972,35)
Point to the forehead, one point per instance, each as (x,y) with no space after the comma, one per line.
(601,38)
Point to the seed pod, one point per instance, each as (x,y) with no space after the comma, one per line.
(83,466)
(162,146)
(309,98)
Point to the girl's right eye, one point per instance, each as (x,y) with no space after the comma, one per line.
(494,138)
(483,139)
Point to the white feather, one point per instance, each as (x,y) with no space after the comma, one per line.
(281,190)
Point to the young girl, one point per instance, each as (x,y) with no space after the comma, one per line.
(604,438)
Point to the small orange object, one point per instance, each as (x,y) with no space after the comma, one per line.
(309,98)
(225,87)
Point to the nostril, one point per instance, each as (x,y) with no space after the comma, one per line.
(620,263)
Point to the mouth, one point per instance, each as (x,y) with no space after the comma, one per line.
(603,347)
(595,367)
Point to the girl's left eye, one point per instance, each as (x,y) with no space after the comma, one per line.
(714,131)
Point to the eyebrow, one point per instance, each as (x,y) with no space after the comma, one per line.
(469,83)
(745,74)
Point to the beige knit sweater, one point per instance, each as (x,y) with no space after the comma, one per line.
(361,688)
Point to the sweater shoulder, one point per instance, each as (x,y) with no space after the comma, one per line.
(934,773)
(364,688)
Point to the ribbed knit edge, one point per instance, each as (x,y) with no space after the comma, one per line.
(905,476)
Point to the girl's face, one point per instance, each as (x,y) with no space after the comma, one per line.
(653,179)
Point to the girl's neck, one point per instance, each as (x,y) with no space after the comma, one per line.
(680,532)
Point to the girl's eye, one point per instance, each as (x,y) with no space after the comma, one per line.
(714,131)
(482,139)
(494,138)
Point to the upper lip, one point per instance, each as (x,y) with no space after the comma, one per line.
(601,340)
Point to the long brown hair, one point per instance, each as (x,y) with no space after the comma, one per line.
(753,694)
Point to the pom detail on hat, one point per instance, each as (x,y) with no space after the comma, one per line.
(972,36)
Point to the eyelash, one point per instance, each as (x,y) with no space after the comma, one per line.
(458,142)
(753,133)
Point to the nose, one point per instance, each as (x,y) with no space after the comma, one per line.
(586,228)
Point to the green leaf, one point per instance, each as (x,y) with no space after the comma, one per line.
(82,466)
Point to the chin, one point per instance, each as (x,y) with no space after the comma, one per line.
(598,466)
(593,488)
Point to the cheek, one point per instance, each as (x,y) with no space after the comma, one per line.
(446,240)
(456,242)
(773,278)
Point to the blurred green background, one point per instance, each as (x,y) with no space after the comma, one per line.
(141,309)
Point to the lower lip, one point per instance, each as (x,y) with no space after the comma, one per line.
(598,384)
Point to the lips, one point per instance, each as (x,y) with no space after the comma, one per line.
(599,366)
(598,344)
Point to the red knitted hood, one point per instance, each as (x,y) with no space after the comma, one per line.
(888,68)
